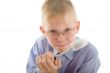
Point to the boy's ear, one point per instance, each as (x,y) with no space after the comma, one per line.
(42,29)
(77,27)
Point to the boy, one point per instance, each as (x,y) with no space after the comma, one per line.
(59,50)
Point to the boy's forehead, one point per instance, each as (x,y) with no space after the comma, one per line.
(60,25)
(60,21)
(61,18)
(65,17)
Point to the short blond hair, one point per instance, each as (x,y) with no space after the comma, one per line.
(52,8)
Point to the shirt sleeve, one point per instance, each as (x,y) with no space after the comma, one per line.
(31,64)
(91,62)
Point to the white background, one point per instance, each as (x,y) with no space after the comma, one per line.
(19,28)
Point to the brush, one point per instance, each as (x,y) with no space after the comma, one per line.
(79,43)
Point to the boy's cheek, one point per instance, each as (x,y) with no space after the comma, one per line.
(54,42)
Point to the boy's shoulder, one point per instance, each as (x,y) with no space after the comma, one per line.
(90,50)
(85,46)
(41,39)
(41,45)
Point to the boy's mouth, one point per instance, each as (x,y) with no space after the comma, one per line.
(62,45)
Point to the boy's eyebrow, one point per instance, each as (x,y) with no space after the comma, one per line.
(51,29)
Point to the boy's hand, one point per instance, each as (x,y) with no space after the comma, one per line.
(47,64)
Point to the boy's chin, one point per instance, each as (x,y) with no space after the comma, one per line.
(61,49)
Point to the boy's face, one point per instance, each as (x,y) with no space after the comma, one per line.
(60,31)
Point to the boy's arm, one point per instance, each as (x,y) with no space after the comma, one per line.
(91,63)
(46,62)
(85,61)
(31,64)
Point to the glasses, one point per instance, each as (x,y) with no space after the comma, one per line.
(66,32)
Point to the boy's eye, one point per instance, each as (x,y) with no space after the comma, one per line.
(67,30)
(53,31)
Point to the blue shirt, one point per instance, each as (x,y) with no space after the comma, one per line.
(41,46)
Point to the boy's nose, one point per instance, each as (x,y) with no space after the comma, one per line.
(61,37)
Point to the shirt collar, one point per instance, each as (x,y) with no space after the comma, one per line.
(68,55)
(54,51)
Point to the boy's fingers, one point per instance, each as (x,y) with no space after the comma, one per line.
(45,64)
(57,63)
(41,63)
(50,55)
(50,63)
